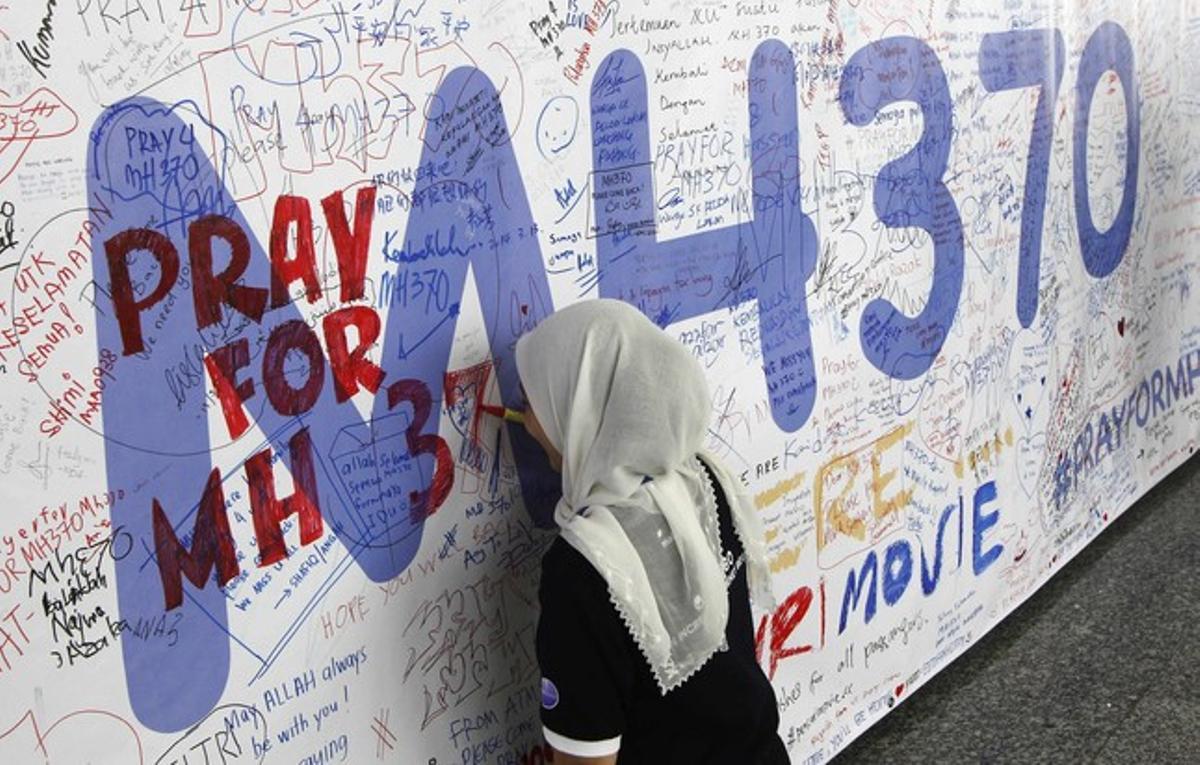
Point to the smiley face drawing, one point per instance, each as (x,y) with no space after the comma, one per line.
(556,125)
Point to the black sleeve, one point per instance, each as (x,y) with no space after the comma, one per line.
(584,652)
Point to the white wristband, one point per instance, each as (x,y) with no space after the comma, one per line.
(581,748)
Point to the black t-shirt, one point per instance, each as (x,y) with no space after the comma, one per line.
(597,686)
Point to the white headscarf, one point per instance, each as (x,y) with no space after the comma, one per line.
(621,400)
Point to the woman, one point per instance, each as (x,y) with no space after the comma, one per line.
(645,639)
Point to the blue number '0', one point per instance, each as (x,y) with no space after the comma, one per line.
(1107,49)
(909,192)
(1027,58)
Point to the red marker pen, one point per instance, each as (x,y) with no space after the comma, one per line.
(512,415)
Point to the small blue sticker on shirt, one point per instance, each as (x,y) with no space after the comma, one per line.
(549,694)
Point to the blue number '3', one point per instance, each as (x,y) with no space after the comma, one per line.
(909,192)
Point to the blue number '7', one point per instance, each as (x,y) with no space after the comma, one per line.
(1022,59)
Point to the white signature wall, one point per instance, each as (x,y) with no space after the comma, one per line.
(262,261)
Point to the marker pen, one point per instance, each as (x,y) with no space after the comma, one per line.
(512,415)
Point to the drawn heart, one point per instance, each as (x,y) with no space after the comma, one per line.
(463,407)
(1028,370)
(62,740)
(899,690)
(454,674)
(1029,459)
(943,409)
